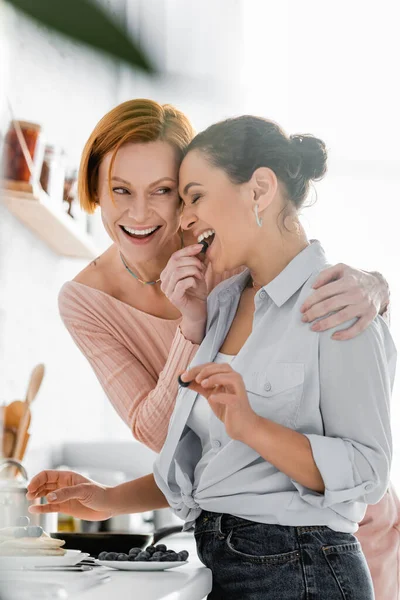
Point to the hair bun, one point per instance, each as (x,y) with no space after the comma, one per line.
(313,155)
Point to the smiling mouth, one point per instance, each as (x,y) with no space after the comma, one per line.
(206,239)
(140,234)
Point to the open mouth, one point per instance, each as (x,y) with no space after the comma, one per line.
(140,234)
(206,238)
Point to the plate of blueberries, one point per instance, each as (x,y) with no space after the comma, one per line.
(153,558)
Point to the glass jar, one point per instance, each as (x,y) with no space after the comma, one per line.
(70,189)
(14,163)
(53,173)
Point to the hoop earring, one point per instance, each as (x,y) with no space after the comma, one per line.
(258,220)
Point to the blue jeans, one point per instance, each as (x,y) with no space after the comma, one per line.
(254,561)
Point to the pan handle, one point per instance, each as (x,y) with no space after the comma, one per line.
(165,532)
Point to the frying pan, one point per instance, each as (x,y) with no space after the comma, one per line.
(94,543)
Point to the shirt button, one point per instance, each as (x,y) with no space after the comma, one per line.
(267,386)
(216,444)
(369,486)
(263,294)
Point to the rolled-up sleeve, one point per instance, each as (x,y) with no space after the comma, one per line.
(354,454)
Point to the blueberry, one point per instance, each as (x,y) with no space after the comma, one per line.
(183,555)
(21,532)
(151,550)
(122,557)
(166,558)
(161,547)
(35,531)
(111,556)
(143,556)
(102,556)
(132,557)
(23,521)
(171,557)
(134,551)
(157,555)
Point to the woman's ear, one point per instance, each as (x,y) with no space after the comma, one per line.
(264,184)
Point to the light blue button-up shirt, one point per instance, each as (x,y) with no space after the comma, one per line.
(336,393)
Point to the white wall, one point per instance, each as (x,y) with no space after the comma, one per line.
(55,83)
(331,69)
(198,47)
(67,89)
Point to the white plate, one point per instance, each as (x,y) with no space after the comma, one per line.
(72,557)
(126,565)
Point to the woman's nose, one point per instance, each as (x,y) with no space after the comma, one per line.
(188,219)
(139,209)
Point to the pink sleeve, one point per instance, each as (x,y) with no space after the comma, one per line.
(144,403)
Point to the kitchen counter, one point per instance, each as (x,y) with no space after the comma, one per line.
(190,582)
(183,583)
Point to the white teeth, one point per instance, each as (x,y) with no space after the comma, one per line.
(205,235)
(139,231)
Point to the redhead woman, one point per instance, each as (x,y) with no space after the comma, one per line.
(115,309)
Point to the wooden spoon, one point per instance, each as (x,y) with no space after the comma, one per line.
(33,388)
(9,436)
(34,383)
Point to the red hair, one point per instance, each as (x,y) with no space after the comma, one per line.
(137,121)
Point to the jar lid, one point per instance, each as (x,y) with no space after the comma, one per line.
(28,125)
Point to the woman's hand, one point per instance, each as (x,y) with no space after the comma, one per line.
(183,282)
(70,493)
(351,293)
(225,392)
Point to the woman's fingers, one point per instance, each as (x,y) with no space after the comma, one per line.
(188,261)
(325,307)
(181,288)
(192,250)
(329,291)
(183,272)
(42,491)
(351,332)
(214,369)
(45,508)
(231,382)
(171,276)
(329,274)
(206,370)
(42,479)
(82,492)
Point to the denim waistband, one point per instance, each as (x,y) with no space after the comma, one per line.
(223,523)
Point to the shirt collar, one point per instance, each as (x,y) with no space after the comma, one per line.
(290,280)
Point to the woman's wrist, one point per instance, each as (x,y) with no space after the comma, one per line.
(193,331)
(113,500)
(138,495)
(250,429)
(384,291)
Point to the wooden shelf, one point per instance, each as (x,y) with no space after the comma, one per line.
(47,220)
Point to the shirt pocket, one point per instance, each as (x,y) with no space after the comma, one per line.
(275,392)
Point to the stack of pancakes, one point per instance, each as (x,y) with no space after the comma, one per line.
(29,546)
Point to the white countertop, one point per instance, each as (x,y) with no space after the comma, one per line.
(190,582)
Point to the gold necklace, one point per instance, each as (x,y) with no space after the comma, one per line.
(135,276)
